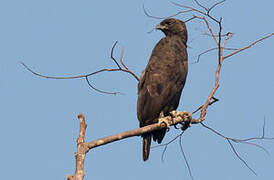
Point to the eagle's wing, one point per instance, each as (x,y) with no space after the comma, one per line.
(160,86)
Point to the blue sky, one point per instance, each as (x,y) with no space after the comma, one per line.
(62,38)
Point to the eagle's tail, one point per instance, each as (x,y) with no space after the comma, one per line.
(146,146)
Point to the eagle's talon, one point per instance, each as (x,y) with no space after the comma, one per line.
(161,114)
(166,121)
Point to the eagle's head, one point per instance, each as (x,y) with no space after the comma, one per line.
(171,26)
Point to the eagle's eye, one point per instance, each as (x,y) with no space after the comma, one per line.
(168,22)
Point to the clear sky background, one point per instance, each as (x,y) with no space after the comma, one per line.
(39,125)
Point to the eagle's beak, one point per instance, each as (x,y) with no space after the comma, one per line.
(160,27)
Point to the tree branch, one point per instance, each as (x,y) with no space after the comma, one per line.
(243,141)
(82,149)
(119,68)
(178,118)
(248,46)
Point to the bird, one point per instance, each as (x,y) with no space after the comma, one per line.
(162,81)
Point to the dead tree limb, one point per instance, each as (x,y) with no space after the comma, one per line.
(248,46)
(82,149)
(178,118)
(121,68)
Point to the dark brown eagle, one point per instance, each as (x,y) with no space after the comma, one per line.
(162,81)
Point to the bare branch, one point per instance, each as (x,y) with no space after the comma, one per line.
(68,77)
(248,46)
(253,144)
(196,10)
(208,27)
(166,145)
(104,92)
(181,148)
(150,16)
(178,117)
(214,5)
(76,77)
(209,50)
(190,19)
(223,35)
(204,108)
(239,140)
(81,151)
(259,138)
(183,153)
(220,58)
(123,135)
(212,102)
(188,7)
(199,4)
(243,141)
(156,17)
(121,58)
(111,55)
(227,38)
(239,157)
(125,69)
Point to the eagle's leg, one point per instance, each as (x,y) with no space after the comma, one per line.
(163,119)
(172,116)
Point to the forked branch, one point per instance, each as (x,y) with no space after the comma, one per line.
(122,68)
(83,147)
(243,141)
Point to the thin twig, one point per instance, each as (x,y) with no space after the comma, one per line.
(111,55)
(156,17)
(125,69)
(104,92)
(240,158)
(183,153)
(214,5)
(208,27)
(243,141)
(212,102)
(248,46)
(223,35)
(166,145)
(227,38)
(121,58)
(196,10)
(199,4)
(209,50)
